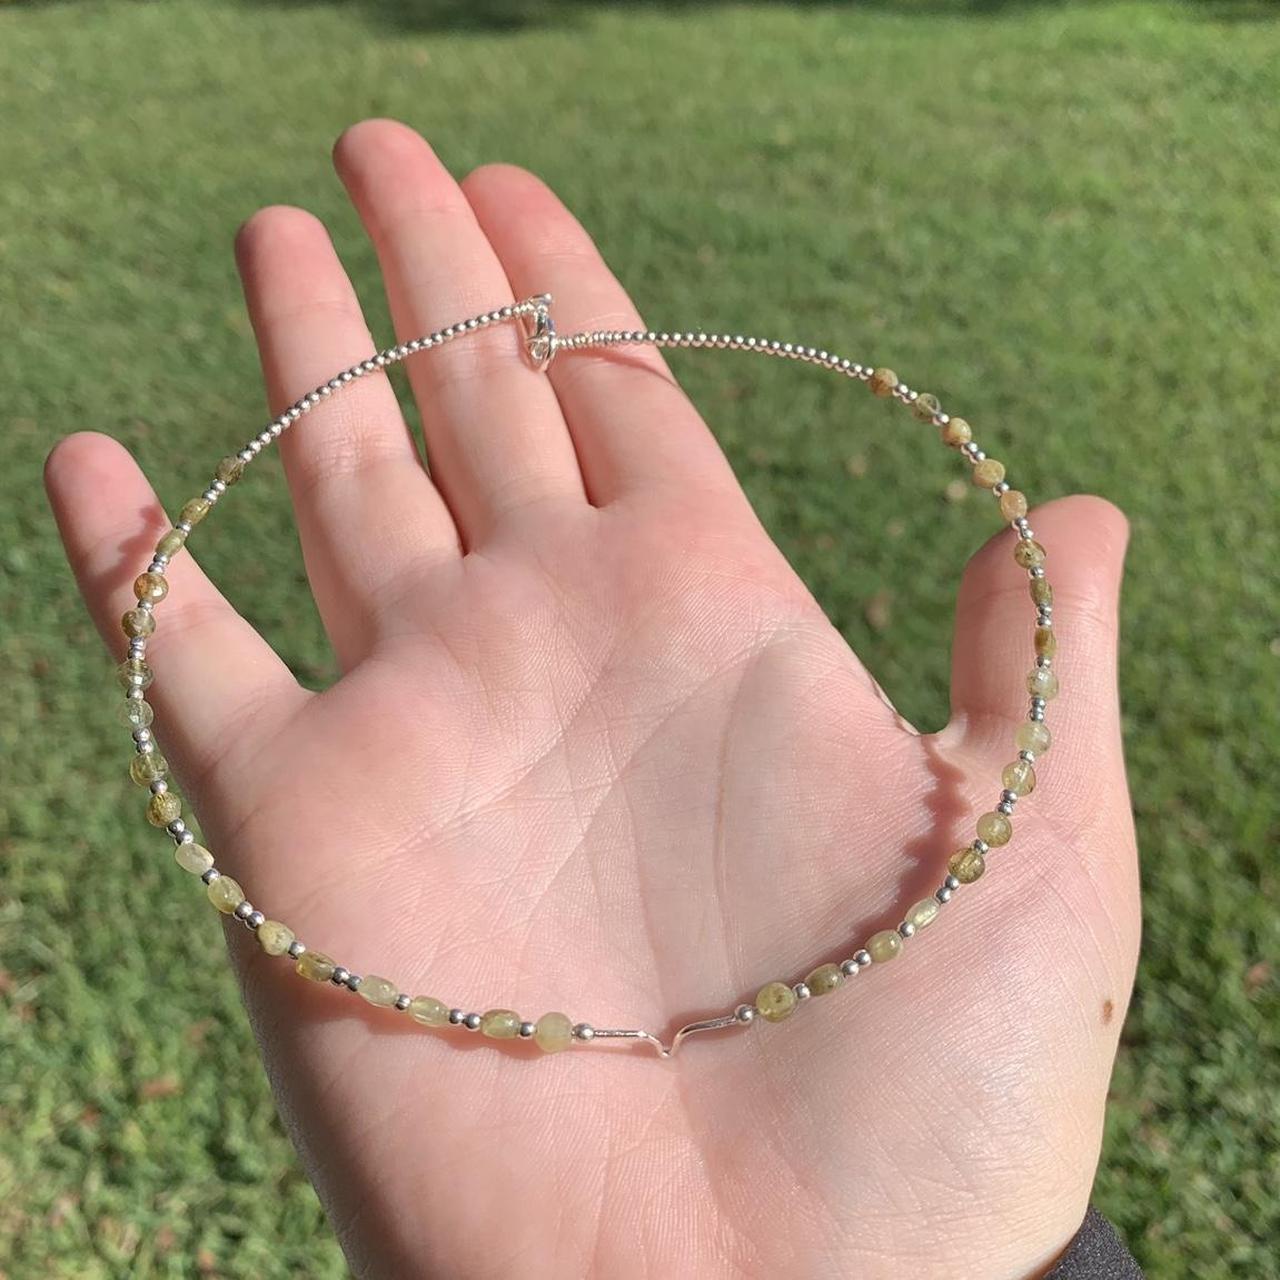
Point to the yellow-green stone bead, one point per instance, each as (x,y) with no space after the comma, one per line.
(194,511)
(274,938)
(1029,553)
(225,894)
(553,1033)
(988,473)
(229,469)
(775,1001)
(824,979)
(925,406)
(1042,683)
(923,913)
(429,1011)
(967,865)
(1033,735)
(138,622)
(1041,591)
(163,809)
(1013,505)
(150,586)
(380,992)
(193,858)
(884,945)
(1019,777)
(136,713)
(500,1024)
(315,966)
(171,543)
(1046,642)
(883,382)
(146,769)
(995,829)
(957,432)
(134,673)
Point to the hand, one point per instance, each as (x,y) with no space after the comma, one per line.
(597,749)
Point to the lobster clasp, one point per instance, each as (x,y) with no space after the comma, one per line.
(539,332)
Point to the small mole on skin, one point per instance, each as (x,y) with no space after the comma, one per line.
(1108,1011)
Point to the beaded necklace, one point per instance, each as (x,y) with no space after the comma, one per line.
(555,1031)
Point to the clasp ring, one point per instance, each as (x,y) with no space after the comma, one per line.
(539,332)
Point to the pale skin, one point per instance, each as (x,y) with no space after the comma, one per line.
(597,749)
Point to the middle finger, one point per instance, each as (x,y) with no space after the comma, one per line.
(496,440)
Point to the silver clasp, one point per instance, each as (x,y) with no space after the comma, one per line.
(539,332)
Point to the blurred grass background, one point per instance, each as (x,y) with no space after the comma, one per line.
(1066,219)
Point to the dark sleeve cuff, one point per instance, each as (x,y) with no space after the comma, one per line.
(1096,1253)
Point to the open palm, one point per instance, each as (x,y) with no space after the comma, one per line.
(597,749)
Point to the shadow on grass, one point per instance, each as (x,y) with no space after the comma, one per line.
(490,16)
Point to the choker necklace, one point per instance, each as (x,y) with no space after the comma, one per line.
(552,1032)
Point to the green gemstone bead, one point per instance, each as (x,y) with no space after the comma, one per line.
(926,406)
(194,511)
(553,1033)
(229,469)
(193,858)
(171,543)
(1019,777)
(147,768)
(1042,683)
(824,979)
(775,1001)
(429,1011)
(151,586)
(136,713)
(134,673)
(885,945)
(923,913)
(1041,591)
(883,382)
(315,966)
(1033,735)
(994,829)
(163,809)
(138,622)
(380,992)
(1046,642)
(988,473)
(967,865)
(1029,553)
(957,432)
(500,1024)
(274,938)
(225,894)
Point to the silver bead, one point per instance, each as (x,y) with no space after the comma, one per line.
(472,1022)
(1004,807)
(802,990)
(862,958)
(1001,488)
(296,948)
(456,1016)
(1043,662)
(745,1013)
(187,837)
(402,1001)
(849,967)
(244,909)
(176,828)
(943,895)
(339,976)
(158,786)
(353,982)
(210,875)
(906,929)
(256,919)
(527,1029)
(142,735)
(1036,714)
(951,882)
(584,1031)
(981,846)
(1028,756)
(1009,797)
(1037,571)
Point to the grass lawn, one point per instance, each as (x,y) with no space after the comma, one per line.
(1065,219)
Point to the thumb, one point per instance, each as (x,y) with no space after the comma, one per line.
(1084,539)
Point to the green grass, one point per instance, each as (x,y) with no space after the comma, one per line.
(1066,219)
